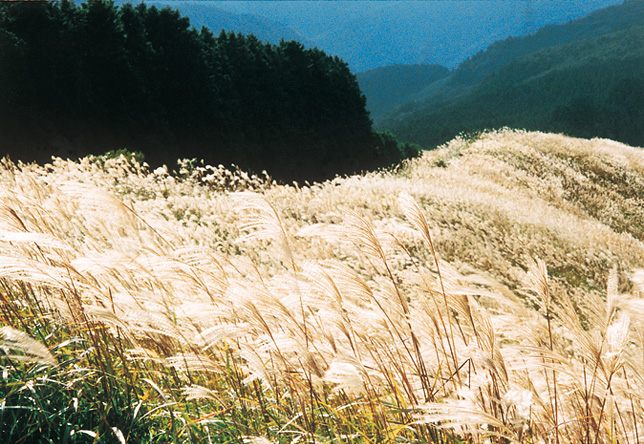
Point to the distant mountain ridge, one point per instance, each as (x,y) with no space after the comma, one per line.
(604,21)
(388,87)
(372,34)
(217,19)
(583,78)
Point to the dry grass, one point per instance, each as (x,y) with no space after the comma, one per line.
(482,292)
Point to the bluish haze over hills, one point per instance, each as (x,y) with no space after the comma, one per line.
(370,34)
(584,78)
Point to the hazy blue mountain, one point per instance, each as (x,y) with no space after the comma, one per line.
(476,68)
(371,34)
(390,86)
(206,13)
(592,25)
(585,78)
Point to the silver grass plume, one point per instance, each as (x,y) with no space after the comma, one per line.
(263,222)
(415,215)
(19,346)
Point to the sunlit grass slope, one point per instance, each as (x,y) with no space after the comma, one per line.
(486,291)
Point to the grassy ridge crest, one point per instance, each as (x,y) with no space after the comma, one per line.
(482,292)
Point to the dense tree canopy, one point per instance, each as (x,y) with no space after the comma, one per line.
(87,78)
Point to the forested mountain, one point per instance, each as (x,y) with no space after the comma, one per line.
(373,34)
(604,21)
(476,68)
(584,78)
(202,13)
(95,77)
(593,88)
(388,87)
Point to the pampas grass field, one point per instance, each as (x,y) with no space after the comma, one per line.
(488,291)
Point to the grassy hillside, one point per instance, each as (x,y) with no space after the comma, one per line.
(582,78)
(484,291)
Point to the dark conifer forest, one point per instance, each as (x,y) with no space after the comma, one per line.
(89,78)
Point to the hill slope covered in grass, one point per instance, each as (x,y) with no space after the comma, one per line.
(485,290)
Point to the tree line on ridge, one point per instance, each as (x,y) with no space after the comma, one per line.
(81,79)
